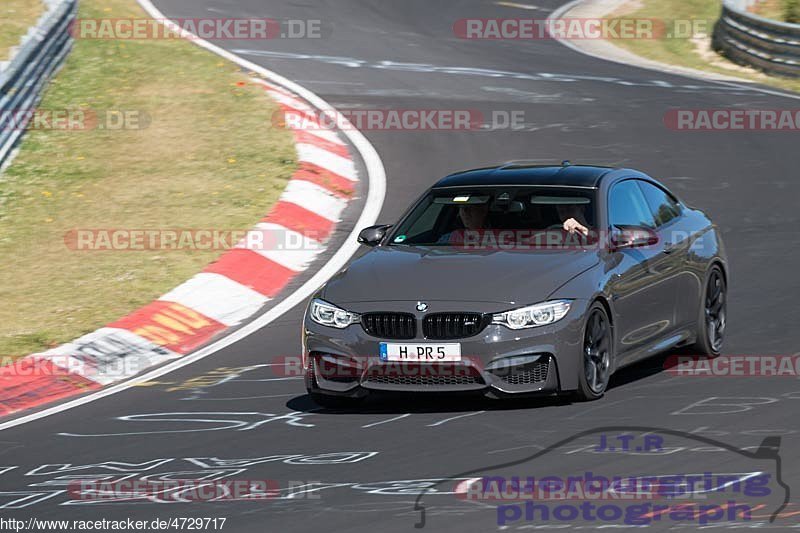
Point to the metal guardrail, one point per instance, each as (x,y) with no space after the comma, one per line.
(755,41)
(22,79)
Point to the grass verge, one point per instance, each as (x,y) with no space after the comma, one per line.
(207,158)
(16,16)
(783,10)
(693,52)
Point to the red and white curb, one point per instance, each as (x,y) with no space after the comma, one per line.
(222,296)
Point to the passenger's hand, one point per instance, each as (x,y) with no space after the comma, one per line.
(573,226)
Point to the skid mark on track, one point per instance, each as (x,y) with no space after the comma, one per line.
(241,398)
(523,447)
(267,379)
(528,7)
(386,421)
(537,97)
(440,422)
(330,82)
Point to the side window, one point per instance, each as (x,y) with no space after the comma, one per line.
(628,207)
(663,206)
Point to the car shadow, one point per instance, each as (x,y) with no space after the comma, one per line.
(650,367)
(416,403)
(437,402)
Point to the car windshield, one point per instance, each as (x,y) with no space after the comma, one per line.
(451,217)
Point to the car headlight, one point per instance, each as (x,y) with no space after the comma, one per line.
(327,314)
(533,315)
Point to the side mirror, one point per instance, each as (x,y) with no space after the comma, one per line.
(373,235)
(632,237)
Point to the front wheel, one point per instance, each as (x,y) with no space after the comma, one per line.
(713,318)
(597,355)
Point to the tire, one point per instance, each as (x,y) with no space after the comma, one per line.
(598,355)
(334,402)
(713,314)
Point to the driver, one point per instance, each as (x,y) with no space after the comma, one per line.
(574,218)
(473,216)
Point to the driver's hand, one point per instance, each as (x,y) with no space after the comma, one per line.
(571,225)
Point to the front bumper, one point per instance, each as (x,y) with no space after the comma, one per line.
(497,361)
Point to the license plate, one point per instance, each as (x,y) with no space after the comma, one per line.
(432,353)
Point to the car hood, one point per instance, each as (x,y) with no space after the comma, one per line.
(432,274)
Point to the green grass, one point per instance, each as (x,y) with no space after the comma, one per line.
(791,11)
(783,10)
(16,16)
(771,9)
(684,51)
(208,159)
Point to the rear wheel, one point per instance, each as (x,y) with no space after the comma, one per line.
(597,355)
(713,318)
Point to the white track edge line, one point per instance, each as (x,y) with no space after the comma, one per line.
(372,208)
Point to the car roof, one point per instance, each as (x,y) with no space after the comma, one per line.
(565,175)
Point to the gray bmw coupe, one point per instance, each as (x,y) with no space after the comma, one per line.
(515,280)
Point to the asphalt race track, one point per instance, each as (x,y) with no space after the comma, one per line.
(236,414)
